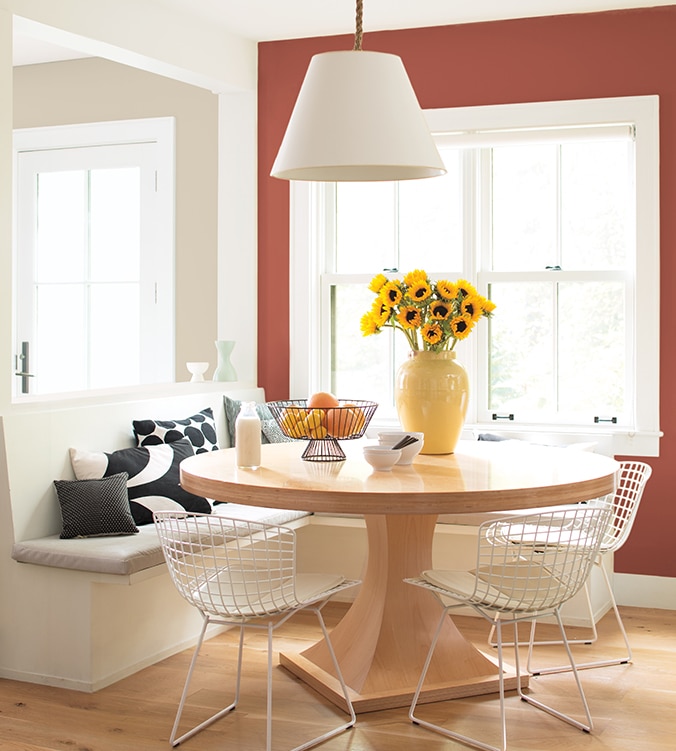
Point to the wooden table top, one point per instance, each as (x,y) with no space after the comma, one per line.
(480,476)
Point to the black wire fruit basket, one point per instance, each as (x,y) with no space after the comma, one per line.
(323,427)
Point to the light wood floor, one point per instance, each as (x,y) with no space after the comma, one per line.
(632,705)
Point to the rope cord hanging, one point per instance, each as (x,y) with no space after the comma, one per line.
(359,30)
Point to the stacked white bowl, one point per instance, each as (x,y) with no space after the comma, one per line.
(382,458)
(390,438)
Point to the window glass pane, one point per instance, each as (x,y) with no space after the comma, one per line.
(365,227)
(430,219)
(114,230)
(592,347)
(59,361)
(114,358)
(61,222)
(524,203)
(521,349)
(595,204)
(361,365)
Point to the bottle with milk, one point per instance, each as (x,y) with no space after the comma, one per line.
(248,437)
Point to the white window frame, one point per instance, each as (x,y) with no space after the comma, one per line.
(306,354)
(158,245)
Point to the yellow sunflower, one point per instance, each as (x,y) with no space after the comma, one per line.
(446,290)
(488,306)
(467,289)
(409,317)
(415,277)
(419,292)
(380,311)
(461,326)
(391,293)
(368,325)
(440,311)
(377,283)
(432,333)
(471,306)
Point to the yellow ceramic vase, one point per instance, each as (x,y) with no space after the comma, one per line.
(431,393)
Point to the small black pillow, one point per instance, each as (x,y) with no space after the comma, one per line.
(95,508)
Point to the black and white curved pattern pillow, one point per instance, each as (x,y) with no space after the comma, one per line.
(153,471)
(199,429)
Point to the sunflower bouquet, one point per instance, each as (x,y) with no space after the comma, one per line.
(432,315)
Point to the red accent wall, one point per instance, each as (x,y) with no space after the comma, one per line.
(624,53)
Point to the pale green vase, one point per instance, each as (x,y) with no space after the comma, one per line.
(225,370)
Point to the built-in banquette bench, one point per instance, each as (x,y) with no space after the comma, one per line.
(83,613)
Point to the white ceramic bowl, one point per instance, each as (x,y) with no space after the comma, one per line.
(382,458)
(408,453)
(197,370)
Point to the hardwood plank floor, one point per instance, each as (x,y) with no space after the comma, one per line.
(632,705)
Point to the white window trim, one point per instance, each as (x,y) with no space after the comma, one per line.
(161,132)
(643,111)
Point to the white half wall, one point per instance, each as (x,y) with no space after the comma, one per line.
(639,591)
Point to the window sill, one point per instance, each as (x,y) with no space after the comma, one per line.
(609,442)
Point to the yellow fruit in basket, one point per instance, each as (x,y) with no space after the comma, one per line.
(292,422)
(318,432)
(314,419)
(322,399)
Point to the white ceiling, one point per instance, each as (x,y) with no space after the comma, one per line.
(287,19)
(264,20)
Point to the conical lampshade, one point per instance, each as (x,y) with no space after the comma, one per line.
(357,118)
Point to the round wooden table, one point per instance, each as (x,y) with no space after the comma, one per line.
(382,640)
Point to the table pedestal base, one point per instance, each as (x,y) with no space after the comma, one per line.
(382,641)
(325,684)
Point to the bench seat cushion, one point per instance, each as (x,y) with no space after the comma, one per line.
(130,553)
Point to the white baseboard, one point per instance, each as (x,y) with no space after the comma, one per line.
(639,591)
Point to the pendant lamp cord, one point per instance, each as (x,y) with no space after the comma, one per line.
(359,31)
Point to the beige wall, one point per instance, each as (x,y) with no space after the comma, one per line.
(95,90)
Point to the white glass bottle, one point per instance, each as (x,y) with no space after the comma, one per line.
(248,437)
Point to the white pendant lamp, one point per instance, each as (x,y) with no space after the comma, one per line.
(357,119)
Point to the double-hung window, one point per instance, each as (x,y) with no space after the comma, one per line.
(551,210)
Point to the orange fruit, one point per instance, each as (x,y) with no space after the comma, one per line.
(321,400)
(337,422)
(344,421)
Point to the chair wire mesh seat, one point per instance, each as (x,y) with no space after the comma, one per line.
(632,479)
(516,580)
(241,573)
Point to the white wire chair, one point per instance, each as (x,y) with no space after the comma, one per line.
(520,575)
(632,479)
(242,573)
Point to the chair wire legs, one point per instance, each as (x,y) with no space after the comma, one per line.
(475,743)
(587,640)
(350,709)
(268,730)
(172,739)
(585,665)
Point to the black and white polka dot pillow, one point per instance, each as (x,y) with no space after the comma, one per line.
(199,429)
(95,508)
